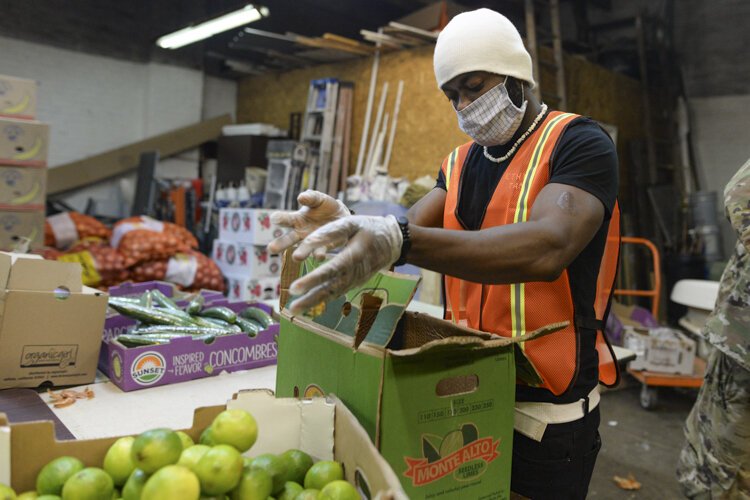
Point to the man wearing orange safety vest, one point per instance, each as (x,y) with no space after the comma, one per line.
(523,223)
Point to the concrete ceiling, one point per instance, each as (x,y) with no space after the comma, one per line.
(709,37)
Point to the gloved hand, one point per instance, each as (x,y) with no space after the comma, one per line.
(368,244)
(317,209)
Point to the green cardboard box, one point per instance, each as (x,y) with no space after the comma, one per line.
(436,398)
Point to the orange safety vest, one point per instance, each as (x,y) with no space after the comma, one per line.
(515,309)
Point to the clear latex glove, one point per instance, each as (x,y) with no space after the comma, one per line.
(317,209)
(368,244)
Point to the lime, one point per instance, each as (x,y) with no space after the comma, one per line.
(91,483)
(307,494)
(339,490)
(48,497)
(236,428)
(156,448)
(134,485)
(323,473)
(255,484)
(172,482)
(302,463)
(207,437)
(118,461)
(52,477)
(6,492)
(290,491)
(191,456)
(187,441)
(26,495)
(247,462)
(219,469)
(277,466)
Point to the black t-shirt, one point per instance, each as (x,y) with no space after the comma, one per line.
(584,157)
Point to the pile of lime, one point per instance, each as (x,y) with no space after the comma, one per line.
(162,464)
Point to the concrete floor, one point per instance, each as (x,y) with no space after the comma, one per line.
(644,443)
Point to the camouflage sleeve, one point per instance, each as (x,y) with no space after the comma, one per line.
(737,204)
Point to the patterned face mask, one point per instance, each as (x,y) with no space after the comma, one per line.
(492,118)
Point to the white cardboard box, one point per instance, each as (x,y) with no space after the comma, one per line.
(663,350)
(248,225)
(243,259)
(245,288)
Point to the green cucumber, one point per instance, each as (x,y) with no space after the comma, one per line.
(220,323)
(183,330)
(148,314)
(204,322)
(222,313)
(146,300)
(129,340)
(249,326)
(257,314)
(132,300)
(158,337)
(196,304)
(164,301)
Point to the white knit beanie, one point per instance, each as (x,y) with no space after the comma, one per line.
(481,40)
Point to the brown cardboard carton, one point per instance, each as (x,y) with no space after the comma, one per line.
(23,187)
(324,428)
(23,142)
(17,97)
(50,325)
(21,223)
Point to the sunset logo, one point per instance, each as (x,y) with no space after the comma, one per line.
(148,368)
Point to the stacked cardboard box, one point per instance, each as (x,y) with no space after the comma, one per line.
(23,164)
(240,252)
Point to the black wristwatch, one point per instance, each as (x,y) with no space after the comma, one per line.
(403,224)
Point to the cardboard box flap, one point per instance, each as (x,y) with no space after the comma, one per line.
(367,313)
(7,259)
(358,451)
(420,333)
(40,275)
(289,430)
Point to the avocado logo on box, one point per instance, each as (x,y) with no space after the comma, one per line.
(148,368)
(460,452)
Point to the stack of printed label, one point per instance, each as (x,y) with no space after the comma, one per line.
(240,252)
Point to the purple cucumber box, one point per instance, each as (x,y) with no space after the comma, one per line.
(182,359)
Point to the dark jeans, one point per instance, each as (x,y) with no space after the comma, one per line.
(560,466)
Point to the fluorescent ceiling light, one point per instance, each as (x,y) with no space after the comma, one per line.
(192,34)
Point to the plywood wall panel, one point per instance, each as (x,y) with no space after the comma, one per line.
(427,127)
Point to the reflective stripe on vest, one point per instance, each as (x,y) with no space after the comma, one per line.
(517,290)
(511,310)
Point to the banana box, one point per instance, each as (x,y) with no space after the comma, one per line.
(21,223)
(23,142)
(17,97)
(23,187)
